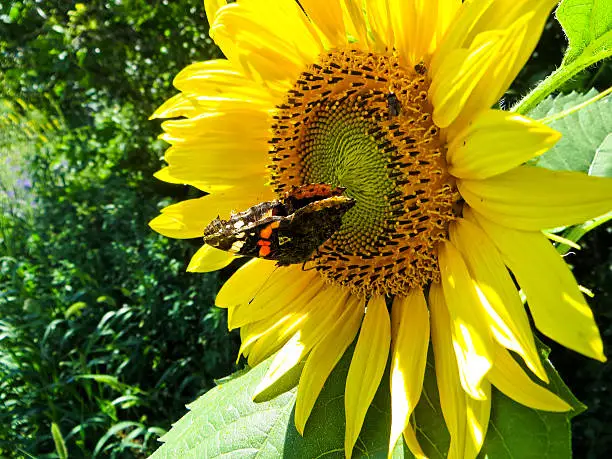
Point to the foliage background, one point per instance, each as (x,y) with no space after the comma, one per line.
(101,331)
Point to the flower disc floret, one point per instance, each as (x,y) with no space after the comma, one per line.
(361,120)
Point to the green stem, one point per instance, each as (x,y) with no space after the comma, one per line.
(554,81)
(575,233)
(575,108)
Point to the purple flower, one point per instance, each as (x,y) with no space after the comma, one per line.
(24,184)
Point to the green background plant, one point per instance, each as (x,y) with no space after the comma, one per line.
(103,336)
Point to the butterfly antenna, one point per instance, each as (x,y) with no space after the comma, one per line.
(264,284)
(310,259)
(307,269)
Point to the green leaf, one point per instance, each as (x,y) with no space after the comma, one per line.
(514,430)
(75,309)
(14,12)
(116,429)
(225,421)
(575,233)
(431,430)
(602,162)
(517,431)
(588,26)
(110,381)
(583,131)
(58,439)
(324,432)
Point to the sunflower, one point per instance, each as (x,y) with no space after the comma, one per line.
(389,99)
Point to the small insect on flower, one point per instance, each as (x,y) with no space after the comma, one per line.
(393,104)
(288,230)
(420,68)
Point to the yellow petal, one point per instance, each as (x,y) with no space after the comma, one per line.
(274,337)
(355,22)
(216,161)
(413,444)
(311,326)
(556,304)
(224,182)
(466,418)
(220,79)
(419,24)
(478,16)
(472,83)
(447,13)
(165,175)
(509,377)
(206,149)
(500,36)
(272,42)
(283,287)
(208,259)
(188,219)
(367,368)
(460,31)
(533,198)
(495,142)
(237,118)
(471,336)
(284,361)
(327,17)
(505,312)
(245,282)
(324,358)
(452,396)
(541,11)
(379,19)
(408,359)
(211,7)
(477,420)
(176,106)
(279,327)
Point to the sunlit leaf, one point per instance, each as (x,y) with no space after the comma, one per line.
(602,162)
(58,439)
(225,421)
(588,25)
(583,131)
(517,431)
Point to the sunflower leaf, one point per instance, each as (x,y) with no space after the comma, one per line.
(588,26)
(518,431)
(226,421)
(583,131)
(324,433)
(602,162)
(514,430)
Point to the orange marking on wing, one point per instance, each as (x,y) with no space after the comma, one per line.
(266,232)
(262,242)
(274,225)
(264,251)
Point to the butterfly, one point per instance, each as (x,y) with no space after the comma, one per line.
(288,230)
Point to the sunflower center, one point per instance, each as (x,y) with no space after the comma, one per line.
(362,121)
